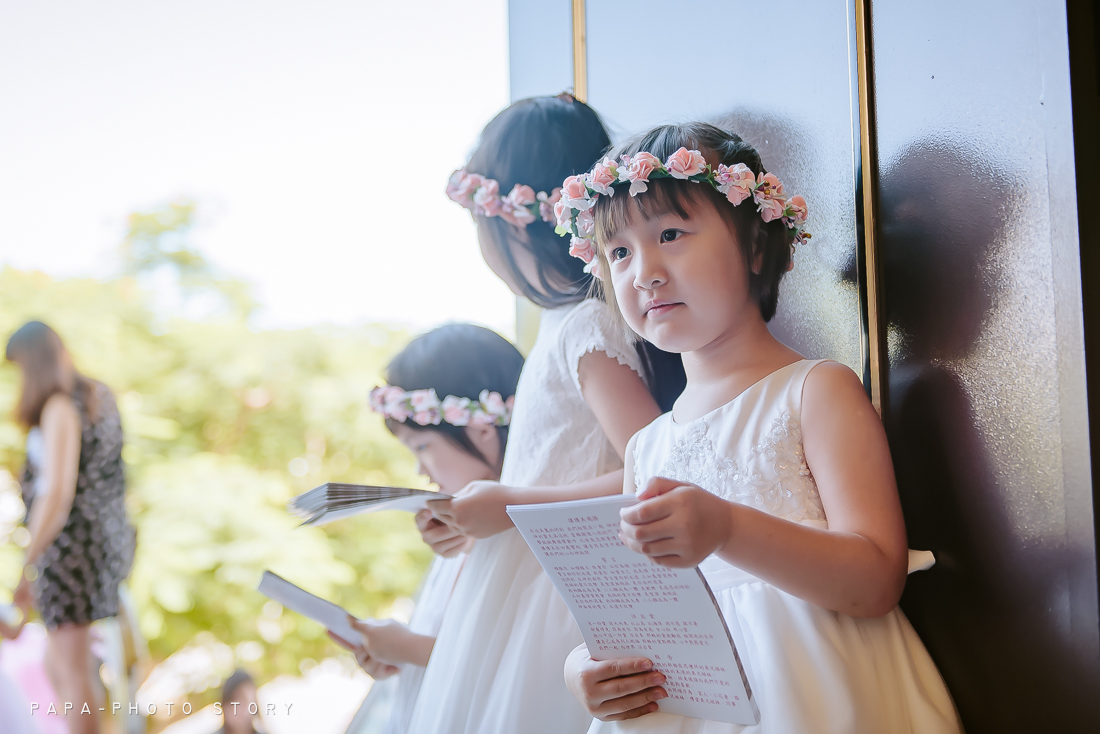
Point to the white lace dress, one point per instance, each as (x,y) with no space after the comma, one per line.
(497,663)
(811,670)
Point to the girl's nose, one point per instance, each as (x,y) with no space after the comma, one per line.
(649,269)
(420,469)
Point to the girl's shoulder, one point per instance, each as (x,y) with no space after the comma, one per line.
(590,326)
(830,385)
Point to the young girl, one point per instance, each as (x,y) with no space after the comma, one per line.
(496,667)
(448,400)
(771,472)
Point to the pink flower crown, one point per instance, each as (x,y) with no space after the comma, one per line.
(579,193)
(425,407)
(482,196)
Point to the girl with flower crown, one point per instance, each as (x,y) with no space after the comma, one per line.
(585,389)
(449,401)
(771,473)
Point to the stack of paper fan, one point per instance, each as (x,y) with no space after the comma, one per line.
(334,500)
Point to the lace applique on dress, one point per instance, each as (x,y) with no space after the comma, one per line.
(780,484)
(694,460)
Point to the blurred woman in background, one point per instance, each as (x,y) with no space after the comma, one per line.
(81,544)
(240,705)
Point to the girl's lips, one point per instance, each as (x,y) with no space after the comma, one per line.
(659,309)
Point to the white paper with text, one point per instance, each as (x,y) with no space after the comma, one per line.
(626,605)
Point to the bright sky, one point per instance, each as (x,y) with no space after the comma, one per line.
(316,135)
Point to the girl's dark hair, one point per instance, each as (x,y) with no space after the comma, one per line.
(766,243)
(460,360)
(540,142)
(39,351)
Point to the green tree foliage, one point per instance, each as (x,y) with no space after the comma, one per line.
(224,423)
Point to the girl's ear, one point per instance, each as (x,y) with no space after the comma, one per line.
(758,262)
(485,439)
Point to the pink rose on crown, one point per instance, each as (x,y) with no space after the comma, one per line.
(390,398)
(736,182)
(563,214)
(769,197)
(453,184)
(574,193)
(487,198)
(493,403)
(586,224)
(398,409)
(425,406)
(581,247)
(636,170)
(515,206)
(424,399)
(547,205)
(603,177)
(466,187)
(685,163)
(796,212)
(456,410)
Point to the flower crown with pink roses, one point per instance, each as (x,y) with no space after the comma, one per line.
(579,193)
(482,196)
(425,407)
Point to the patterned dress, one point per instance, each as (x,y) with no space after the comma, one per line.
(79,573)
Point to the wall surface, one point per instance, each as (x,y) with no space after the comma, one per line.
(987,406)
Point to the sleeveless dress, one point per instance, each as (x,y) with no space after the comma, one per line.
(79,573)
(811,670)
(497,663)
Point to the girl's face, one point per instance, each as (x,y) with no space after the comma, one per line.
(681,283)
(495,258)
(446,464)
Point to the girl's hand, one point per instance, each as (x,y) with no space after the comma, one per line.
(390,642)
(373,668)
(443,539)
(477,509)
(613,690)
(676,524)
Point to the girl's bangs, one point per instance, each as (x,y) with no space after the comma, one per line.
(664,196)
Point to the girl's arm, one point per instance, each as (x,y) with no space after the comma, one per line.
(61,433)
(856,567)
(387,642)
(621,403)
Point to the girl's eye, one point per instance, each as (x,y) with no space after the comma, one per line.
(619,253)
(421,447)
(670,235)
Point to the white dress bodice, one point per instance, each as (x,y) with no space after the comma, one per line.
(811,670)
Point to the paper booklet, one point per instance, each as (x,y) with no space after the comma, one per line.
(299,600)
(333,501)
(628,606)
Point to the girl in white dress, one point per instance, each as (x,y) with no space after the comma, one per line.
(771,473)
(448,400)
(496,666)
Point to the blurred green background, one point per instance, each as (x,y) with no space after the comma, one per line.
(224,423)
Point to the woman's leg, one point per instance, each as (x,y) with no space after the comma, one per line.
(68,664)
